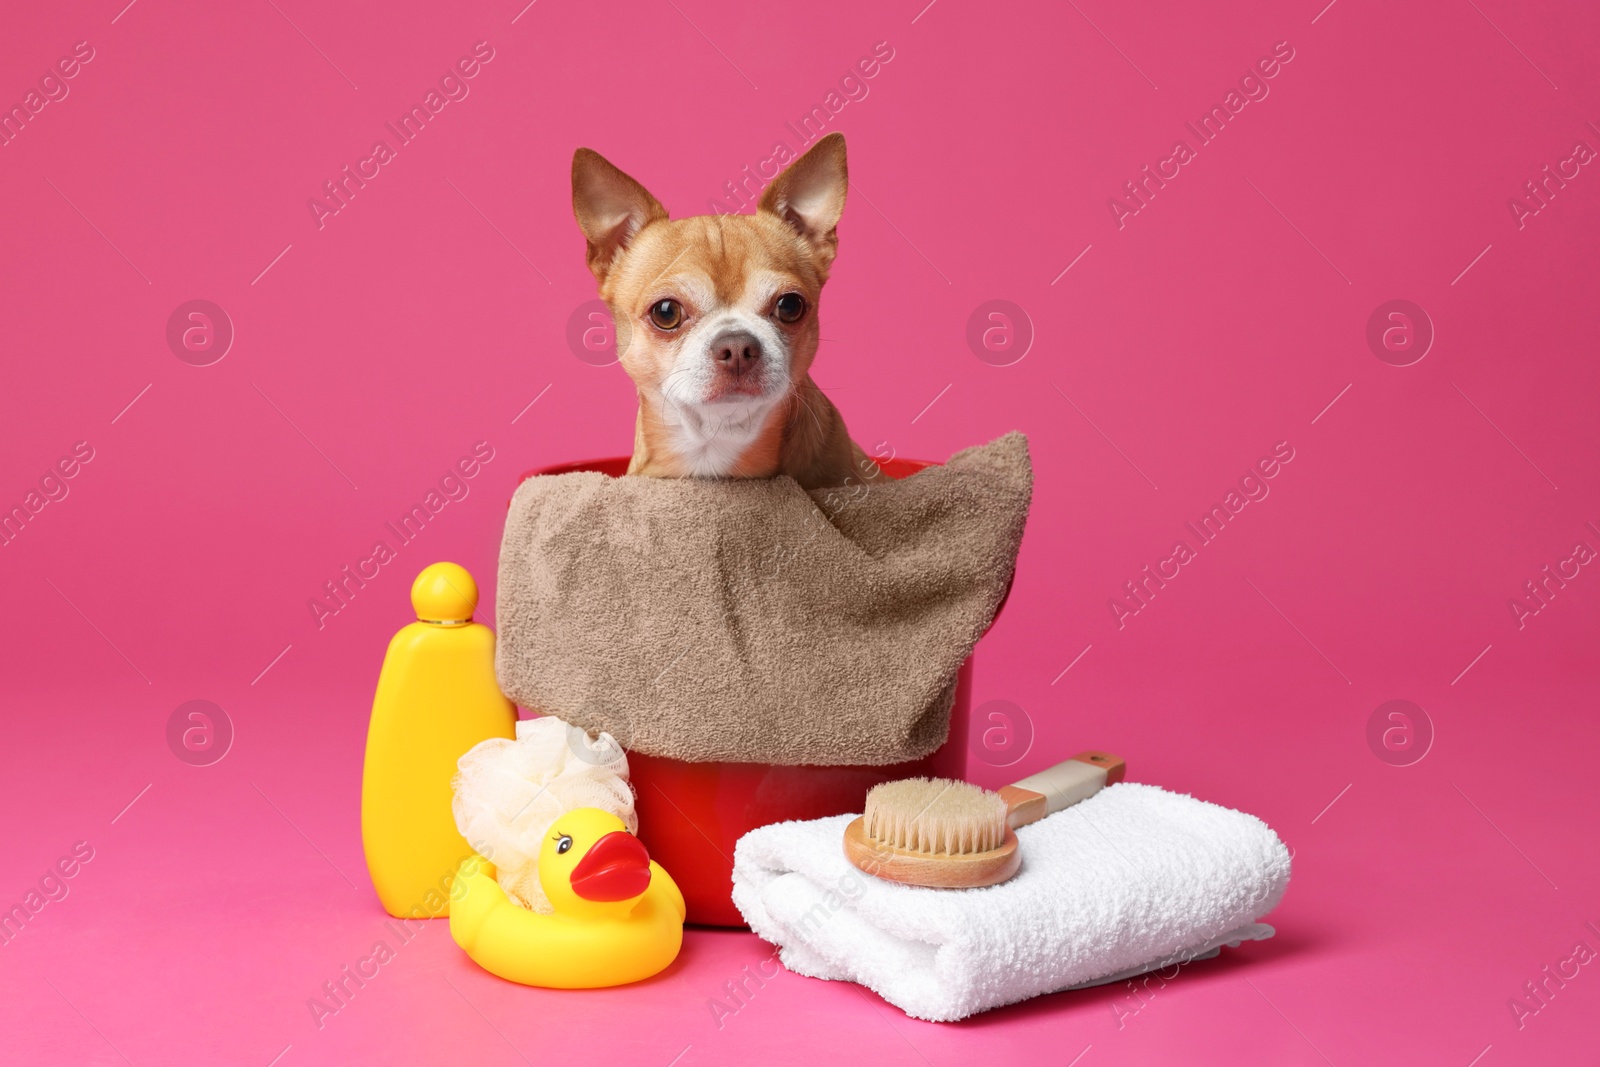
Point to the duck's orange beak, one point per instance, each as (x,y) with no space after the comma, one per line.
(616,868)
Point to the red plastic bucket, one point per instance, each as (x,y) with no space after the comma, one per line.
(691,814)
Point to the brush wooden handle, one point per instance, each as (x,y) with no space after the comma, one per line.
(1061,786)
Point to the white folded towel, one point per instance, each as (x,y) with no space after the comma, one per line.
(1132,879)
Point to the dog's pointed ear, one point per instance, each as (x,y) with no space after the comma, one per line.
(809,196)
(611,208)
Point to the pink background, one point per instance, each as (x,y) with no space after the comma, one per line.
(1221,319)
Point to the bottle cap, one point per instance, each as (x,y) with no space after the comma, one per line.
(445,594)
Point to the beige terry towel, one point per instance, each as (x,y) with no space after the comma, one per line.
(753,621)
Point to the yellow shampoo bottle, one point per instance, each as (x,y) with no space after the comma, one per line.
(437,697)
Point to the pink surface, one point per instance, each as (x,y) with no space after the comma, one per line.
(1168,354)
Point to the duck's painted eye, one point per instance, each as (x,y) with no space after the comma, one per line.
(563,843)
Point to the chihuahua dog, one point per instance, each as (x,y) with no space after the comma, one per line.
(716,322)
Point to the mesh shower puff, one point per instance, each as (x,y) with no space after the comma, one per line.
(509,793)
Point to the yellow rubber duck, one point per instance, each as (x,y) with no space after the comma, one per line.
(618,914)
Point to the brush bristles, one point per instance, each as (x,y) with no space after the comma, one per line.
(935,815)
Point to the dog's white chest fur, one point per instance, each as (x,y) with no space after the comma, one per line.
(711,439)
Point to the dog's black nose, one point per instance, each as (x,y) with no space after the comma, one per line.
(736,349)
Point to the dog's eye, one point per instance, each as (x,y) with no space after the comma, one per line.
(790,307)
(666,314)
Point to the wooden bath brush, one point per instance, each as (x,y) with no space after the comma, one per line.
(947,834)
